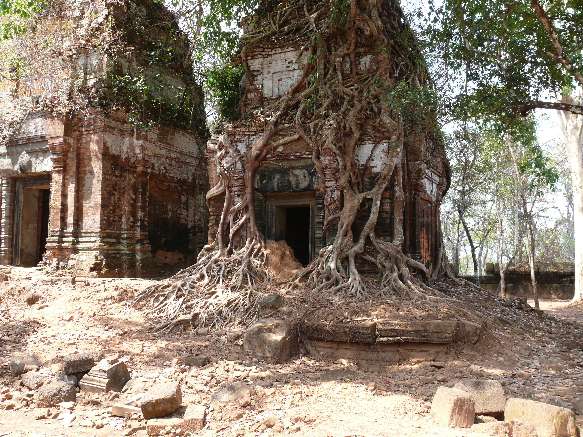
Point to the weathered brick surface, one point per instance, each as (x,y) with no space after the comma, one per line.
(124,200)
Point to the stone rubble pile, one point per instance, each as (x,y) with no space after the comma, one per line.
(53,391)
(482,406)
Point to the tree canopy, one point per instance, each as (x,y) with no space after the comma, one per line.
(514,56)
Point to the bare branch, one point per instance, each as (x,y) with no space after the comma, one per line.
(558,52)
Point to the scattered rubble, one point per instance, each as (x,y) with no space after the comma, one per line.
(246,396)
(238,392)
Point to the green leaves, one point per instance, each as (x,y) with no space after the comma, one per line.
(501,53)
(416,104)
(224,86)
(15,14)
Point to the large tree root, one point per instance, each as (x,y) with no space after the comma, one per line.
(218,290)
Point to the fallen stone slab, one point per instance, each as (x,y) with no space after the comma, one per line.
(357,332)
(161,400)
(55,392)
(110,374)
(80,362)
(518,429)
(488,395)
(192,422)
(34,379)
(547,420)
(452,408)
(416,331)
(271,340)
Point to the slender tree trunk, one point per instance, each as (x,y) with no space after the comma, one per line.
(456,255)
(531,262)
(471,241)
(503,294)
(573,131)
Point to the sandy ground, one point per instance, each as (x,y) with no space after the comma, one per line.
(540,360)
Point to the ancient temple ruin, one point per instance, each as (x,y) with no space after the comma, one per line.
(293,198)
(96,191)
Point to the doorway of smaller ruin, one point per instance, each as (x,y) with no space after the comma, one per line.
(296,231)
(290,219)
(31,221)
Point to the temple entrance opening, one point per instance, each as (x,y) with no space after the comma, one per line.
(31,222)
(296,230)
(290,217)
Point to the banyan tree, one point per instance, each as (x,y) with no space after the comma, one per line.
(334,147)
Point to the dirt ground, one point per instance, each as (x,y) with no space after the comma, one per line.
(537,356)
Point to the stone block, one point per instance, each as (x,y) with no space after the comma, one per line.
(161,400)
(55,392)
(194,418)
(192,422)
(362,332)
(488,395)
(547,420)
(35,379)
(110,374)
(22,363)
(518,429)
(453,408)
(80,362)
(493,429)
(468,332)
(271,340)
(416,331)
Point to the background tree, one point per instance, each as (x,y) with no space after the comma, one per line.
(514,58)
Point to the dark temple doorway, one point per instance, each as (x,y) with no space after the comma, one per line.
(31,223)
(297,232)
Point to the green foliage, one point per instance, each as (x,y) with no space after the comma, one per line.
(159,53)
(150,102)
(224,85)
(339,13)
(501,54)
(416,104)
(538,171)
(15,14)
(213,28)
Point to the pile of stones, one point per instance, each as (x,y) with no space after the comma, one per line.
(57,386)
(483,406)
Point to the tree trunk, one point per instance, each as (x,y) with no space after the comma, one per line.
(531,263)
(471,241)
(502,281)
(573,131)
